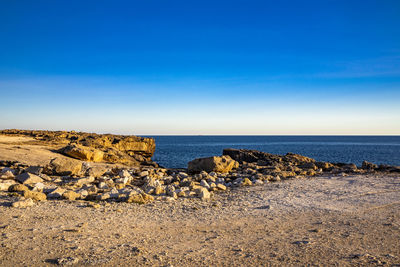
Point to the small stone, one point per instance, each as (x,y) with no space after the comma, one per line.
(246,182)
(143,173)
(71,195)
(38,187)
(23,203)
(83,181)
(18,188)
(6,184)
(258,182)
(203,183)
(159,190)
(203,193)
(28,178)
(67,261)
(37,170)
(221,187)
(38,196)
(7,175)
(56,193)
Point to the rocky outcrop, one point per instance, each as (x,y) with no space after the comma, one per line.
(222,164)
(128,150)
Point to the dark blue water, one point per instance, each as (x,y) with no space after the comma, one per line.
(177,151)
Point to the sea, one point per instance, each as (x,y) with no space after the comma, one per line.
(177,151)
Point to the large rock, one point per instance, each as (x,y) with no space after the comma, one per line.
(212,164)
(83,153)
(63,166)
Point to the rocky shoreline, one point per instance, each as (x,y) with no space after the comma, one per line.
(139,180)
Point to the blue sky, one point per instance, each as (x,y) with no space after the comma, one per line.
(201,67)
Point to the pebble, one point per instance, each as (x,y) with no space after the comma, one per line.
(23,203)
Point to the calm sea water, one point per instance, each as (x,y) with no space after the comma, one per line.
(177,151)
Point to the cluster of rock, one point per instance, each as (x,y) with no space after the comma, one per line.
(128,150)
(143,184)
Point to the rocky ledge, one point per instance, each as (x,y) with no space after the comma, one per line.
(128,150)
(25,185)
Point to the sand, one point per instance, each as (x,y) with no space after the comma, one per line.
(350,220)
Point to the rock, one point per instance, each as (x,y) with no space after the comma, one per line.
(308,165)
(258,182)
(38,187)
(71,195)
(23,203)
(217,164)
(143,173)
(37,170)
(56,193)
(368,165)
(83,181)
(203,193)
(38,196)
(140,198)
(247,182)
(83,153)
(221,187)
(28,178)
(6,184)
(203,183)
(63,166)
(67,261)
(7,175)
(18,188)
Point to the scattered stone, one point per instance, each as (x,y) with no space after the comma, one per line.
(37,170)
(246,182)
(203,193)
(221,187)
(67,261)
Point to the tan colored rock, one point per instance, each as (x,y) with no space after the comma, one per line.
(64,166)
(83,153)
(6,184)
(28,178)
(212,164)
(247,182)
(71,195)
(203,193)
(18,188)
(25,203)
(38,196)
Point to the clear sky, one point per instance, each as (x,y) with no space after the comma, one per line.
(201,67)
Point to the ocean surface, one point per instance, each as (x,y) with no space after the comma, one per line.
(177,151)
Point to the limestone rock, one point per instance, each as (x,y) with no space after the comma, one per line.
(28,178)
(56,193)
(217,164)
(6,184)
(18,188)
(38,196)
(64,166)
(25,203)
(71,195)
(83,153)
(203,193)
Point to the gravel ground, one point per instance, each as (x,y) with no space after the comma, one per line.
(341,220)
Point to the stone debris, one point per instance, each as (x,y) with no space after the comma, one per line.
(69,179)
(24,203)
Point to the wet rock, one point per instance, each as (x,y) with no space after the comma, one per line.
(217,164)
(28,178)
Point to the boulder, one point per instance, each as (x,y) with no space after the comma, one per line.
(63,166)
(28,178)
(83,153)
(217,164)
